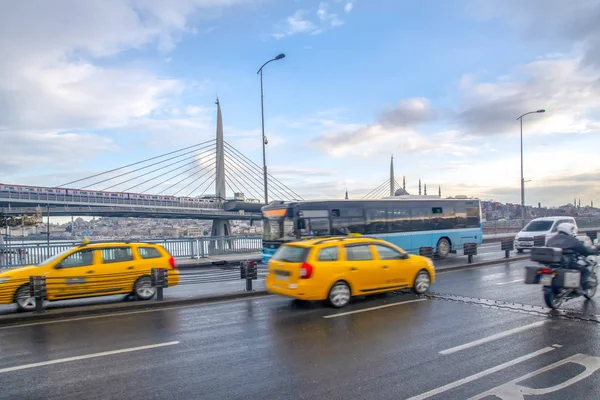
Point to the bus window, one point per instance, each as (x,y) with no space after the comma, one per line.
(473,217)
(376,221)
(316,227)
(344,226)
(443,218)
(399,220)
(461,216)
(421,219)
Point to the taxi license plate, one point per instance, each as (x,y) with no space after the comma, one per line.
(546,280)
(280,277)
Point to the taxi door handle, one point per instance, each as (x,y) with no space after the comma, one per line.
(353,268)
(385,266)
(129,267)
(90,272)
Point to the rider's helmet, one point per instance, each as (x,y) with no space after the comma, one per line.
(567,228)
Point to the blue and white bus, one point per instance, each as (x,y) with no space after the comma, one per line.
(410,222)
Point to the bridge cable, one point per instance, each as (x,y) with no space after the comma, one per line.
(249,178)
(233,177)
(135,163)
(193,158)
(139,169)
(275,183)
(200,185)
(260,168)
(373,191)
(195,180)
(279,188)
(188,177)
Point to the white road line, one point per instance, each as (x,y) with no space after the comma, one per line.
(85,357)
(118,314)
(493,337)
(481,374)
(372,308)
(508,283)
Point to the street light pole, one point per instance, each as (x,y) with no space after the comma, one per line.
(522,177)
(264,141)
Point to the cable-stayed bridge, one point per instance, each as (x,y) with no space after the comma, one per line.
(191,182)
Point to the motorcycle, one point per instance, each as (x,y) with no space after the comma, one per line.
(561,283)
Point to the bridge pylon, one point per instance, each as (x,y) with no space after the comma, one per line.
(220,227)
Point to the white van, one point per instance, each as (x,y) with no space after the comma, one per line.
(539,227)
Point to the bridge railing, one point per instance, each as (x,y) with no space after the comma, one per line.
(496,227)
(17,254)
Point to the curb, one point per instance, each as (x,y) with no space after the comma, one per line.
(49,315)
(481,264)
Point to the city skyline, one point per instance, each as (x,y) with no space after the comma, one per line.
(77,98)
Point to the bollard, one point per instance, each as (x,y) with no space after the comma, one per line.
(37,287)
(160,280)
(249,272)
(507,245)
(470,250)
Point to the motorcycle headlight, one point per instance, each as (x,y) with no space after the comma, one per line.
(2,280)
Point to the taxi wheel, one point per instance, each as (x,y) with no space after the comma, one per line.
(143,289)
(339,295)
(422,282)
(24,300)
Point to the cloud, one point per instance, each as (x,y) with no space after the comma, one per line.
(348,7)
(60,79)
(556,21)
(570,94)
(301,22)
(407,113)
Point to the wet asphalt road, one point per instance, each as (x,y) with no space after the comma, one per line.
(220,280)
(396,346)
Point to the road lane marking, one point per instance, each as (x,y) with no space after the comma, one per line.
(507,283)
(373,308)
(118,314)
(493,337)
(85,357)
(516,390)
(481,374)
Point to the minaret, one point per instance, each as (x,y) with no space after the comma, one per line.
(346,194)
(440,191)
(419,187)
(425,190)
(404,183)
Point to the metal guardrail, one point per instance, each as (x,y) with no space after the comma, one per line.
(15,255)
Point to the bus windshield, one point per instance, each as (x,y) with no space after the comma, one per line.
(278,228)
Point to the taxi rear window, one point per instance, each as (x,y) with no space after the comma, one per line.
(291,254)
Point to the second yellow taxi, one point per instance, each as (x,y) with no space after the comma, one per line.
(338,268)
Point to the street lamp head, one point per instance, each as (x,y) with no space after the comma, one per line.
(541,111)
(280,56)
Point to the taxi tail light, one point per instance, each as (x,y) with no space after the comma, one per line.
(545,271)
(172,263)
(306,271)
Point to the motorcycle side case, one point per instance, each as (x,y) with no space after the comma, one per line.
(546,255)
(567,278)
(531,275)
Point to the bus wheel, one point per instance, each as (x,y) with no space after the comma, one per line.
(443,248)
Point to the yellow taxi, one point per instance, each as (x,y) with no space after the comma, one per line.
(90,270)
(338,268)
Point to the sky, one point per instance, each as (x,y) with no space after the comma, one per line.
(89,86)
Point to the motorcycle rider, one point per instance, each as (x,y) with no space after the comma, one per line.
(565,239)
